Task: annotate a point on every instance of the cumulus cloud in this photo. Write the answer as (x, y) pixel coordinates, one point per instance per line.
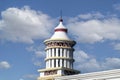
(117, 46)
(4, 65)
(95, 30)
(30, 76)
(38, 55)
(88, 63)
(116, 7)
(27, 25)
(24, 25)
(95, 15)
(111, 63)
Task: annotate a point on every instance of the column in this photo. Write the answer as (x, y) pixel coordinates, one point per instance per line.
(65, 63)
(64, 52)
(61, 52)
(60, 62)
(68, 53)
(53, 52)
(56, 52)
(52, 63)
(46, 54)
(68, 63)
(56, 62)
(49, 52)
(48, 63)
(71, 65)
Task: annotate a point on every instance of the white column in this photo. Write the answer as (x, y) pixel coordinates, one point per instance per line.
(68, 53)
(53, 52)
(56, 52)
(61, 52)
(46, 54)
(52, 63)
(49, 52)
(65, 63)
(48, 63)
(68, 64)
(64, 52)
(60, 62)
(56, 62)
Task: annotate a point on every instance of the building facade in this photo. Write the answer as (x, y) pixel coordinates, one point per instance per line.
(59, 55)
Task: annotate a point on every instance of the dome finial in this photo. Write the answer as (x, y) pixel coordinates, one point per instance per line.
(61, 20)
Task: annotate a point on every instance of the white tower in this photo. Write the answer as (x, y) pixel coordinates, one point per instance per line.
(59, 55)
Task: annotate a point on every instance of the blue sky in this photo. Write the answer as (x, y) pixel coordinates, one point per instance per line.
(25, 24)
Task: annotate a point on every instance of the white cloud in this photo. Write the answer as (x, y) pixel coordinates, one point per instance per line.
(24, 25)
(116, 7)
(4, 65)
(37, 51)
(95, 30)
(82, 56)
(38, 55)
(117, 46)
(95, 15)
(27, 25)
(30, 77)
(88, 63)
(111, 63)
(21, 79)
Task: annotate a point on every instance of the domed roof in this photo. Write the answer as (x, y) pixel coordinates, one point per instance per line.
(60, 26)
(60, 32)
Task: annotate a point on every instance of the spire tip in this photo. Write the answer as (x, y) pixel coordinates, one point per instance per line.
(61, 20)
